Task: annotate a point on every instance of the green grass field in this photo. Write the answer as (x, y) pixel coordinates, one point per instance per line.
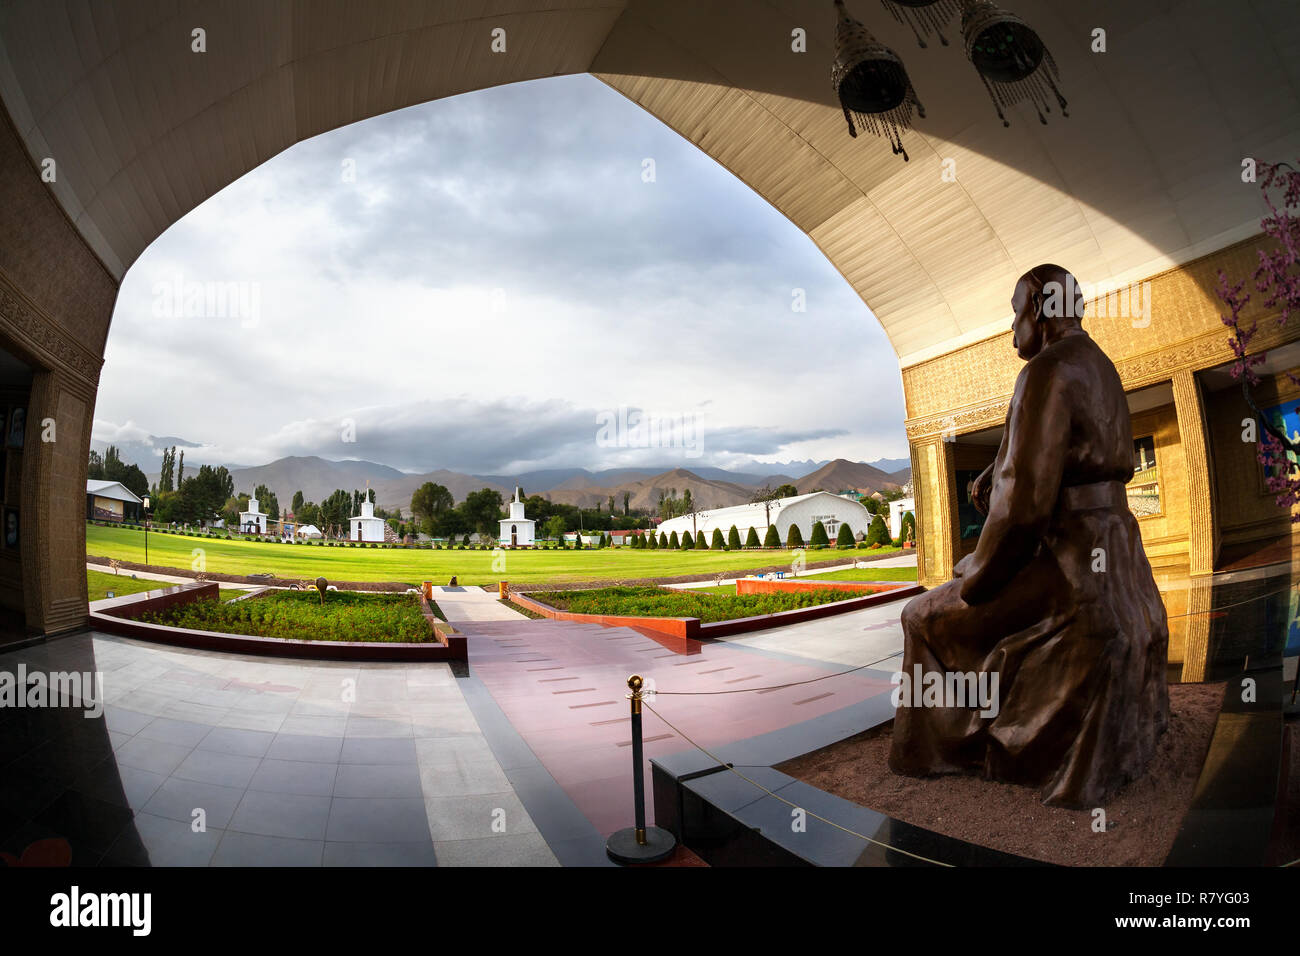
(413, 566)
(99, 583)
(852, 574)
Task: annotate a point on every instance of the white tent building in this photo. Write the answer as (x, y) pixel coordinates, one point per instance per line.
(518, 531)
(365, 526)
(804, 510)
(309, 531)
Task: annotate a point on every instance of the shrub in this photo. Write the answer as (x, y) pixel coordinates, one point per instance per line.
(772, 539)
(878, 533)
(818, 538)
(663, 541)
(717, 542)
(652, 541)
(700, 542)
(751, 539)
(688, 543)
(733, 539)
(845, 538)
(794, 537)
(672, 542)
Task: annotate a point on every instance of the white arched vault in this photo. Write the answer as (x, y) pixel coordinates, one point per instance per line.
(1143, 175)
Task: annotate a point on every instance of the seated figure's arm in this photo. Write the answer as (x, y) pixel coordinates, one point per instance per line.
(1027, 481)
(983, 486)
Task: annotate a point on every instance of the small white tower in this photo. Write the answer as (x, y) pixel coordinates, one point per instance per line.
(518, 531)
(365, 526)
(252, 520)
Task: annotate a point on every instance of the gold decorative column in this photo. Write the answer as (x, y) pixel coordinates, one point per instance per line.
(1203, 541)
(932, 487)
(1196, 625)
(53, 530)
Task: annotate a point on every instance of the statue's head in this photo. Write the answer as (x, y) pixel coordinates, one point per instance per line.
(1047, 302)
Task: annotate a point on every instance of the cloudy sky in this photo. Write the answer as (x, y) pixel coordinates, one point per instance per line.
(494, 283)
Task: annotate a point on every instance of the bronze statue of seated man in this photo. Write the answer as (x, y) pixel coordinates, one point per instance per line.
(1057, 600)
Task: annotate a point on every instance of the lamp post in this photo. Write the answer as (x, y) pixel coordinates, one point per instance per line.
(146, 504)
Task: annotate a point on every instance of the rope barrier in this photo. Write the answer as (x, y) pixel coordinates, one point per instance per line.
(1258, 597)
(815, 816)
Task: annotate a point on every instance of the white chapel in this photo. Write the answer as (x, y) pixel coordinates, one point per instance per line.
(518, 531)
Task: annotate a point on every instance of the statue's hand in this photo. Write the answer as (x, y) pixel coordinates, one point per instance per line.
(980, 491)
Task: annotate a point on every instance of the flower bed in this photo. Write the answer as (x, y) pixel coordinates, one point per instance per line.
(300, 615)
(707, 608)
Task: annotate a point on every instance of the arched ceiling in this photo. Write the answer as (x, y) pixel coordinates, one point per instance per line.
(1144, 174)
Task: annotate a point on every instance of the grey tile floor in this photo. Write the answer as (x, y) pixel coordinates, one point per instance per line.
(203, 758)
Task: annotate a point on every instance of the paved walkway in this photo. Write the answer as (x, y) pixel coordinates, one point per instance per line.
(563, 687)
(298, 763)
(168, 578)
(897, 561)
(472, 603)
(874, 634)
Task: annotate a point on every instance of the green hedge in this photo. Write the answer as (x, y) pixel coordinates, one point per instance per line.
(650, 601)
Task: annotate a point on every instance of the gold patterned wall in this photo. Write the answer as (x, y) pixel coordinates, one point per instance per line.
(969, 388)
(1179, 333)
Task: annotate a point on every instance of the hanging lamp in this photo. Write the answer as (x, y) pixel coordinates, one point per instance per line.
(1010, 58)
(871, 83)
(923, 16)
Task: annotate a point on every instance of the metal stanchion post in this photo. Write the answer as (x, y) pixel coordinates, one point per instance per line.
(639, 844)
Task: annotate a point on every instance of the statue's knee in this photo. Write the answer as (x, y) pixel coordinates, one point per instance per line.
(913, 615)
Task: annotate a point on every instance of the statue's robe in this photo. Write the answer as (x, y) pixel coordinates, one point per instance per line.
(1058, 598)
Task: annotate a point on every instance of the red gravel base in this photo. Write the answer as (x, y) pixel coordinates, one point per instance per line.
(1142, 818)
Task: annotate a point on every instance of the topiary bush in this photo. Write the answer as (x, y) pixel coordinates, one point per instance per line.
(733, 539)
(878, 533)
(688, 543)
(818, 538)
(663, 541)
(700, 542)
(772, 539)
(794, 537)
(845, 538)
(672, 542)
(751, 539)
(716, 543)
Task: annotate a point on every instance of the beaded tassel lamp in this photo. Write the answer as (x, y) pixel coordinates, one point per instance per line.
(871, 83)
(1010, 58)
(925, 17)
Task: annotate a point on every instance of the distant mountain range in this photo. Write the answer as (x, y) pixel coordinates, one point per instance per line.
(710, 487)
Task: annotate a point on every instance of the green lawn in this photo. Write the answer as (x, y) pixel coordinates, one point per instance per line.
(99, 583)
(868, 574)
(665, 602)
(412, 566)
(301, 615)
